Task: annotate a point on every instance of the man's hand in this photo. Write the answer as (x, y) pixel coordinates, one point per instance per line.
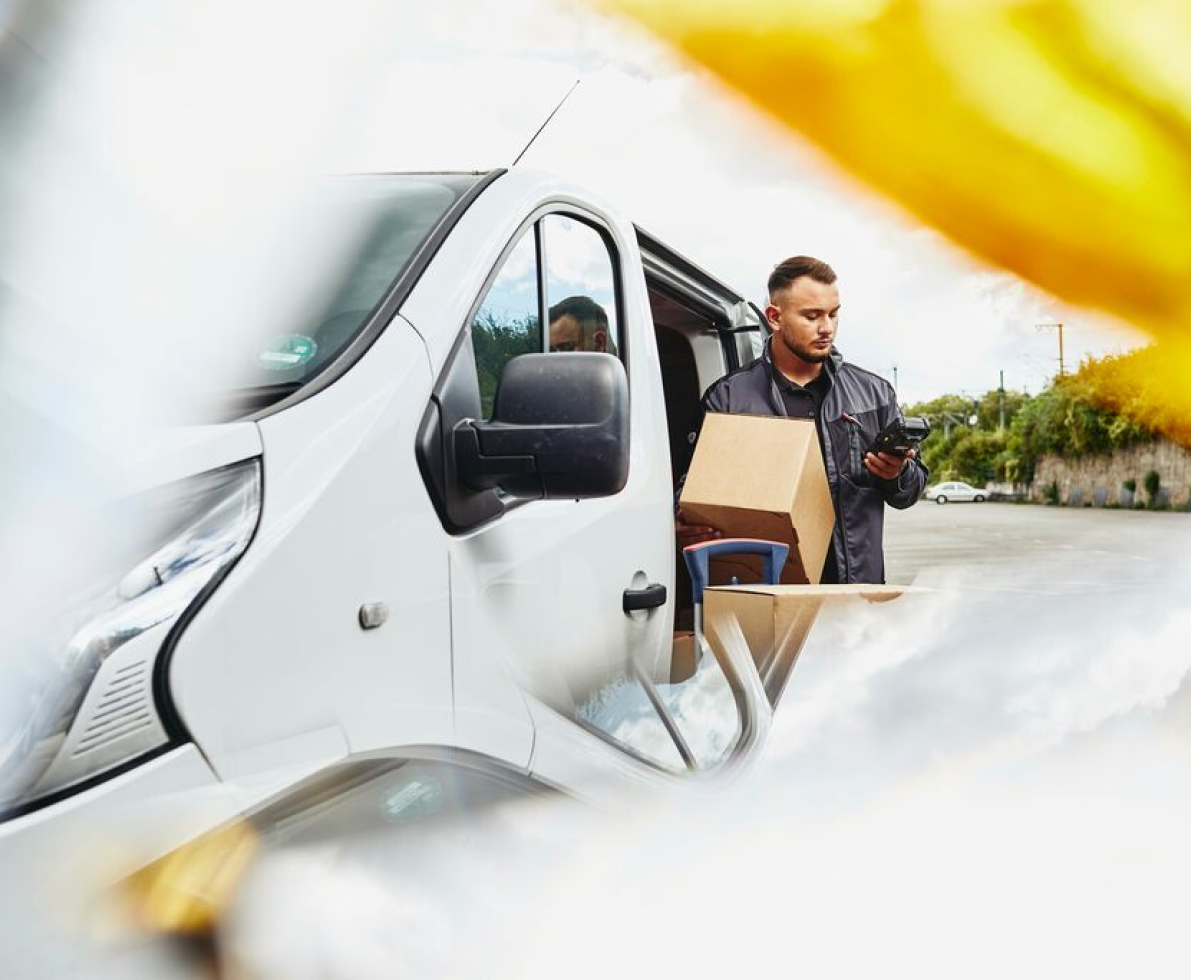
(687, 534)
(887, 466)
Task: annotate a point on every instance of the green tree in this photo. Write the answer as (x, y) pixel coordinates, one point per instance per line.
(497, 342)
(974, 456)
(1105, 405)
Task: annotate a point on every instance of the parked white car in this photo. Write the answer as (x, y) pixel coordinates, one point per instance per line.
(419, 534)
(942, 493)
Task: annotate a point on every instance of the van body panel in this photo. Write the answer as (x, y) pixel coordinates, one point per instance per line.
(278, 656)
(572, 758)
(166, 455)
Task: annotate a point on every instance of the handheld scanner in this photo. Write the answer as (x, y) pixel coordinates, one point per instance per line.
(900, 436)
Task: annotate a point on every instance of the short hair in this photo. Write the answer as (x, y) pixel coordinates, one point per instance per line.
(796, 267)
(590, 316)
(583, 308)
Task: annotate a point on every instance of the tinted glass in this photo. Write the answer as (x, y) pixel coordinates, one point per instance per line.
(622, 711)
(507, 322)
(704, 709)
(357, 236)
(580, 287)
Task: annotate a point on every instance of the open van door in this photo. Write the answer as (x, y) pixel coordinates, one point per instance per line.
(569, 600)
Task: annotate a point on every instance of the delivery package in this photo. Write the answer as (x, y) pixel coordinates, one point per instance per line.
(761, 476)
(772, 621)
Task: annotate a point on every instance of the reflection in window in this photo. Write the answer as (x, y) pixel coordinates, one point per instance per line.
(507, 323)
(361, 233)
(704, 711)
(622, 710)
(580, 287)
(579, 323)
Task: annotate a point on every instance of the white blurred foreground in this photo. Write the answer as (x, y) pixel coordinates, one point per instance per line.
(1001, 791)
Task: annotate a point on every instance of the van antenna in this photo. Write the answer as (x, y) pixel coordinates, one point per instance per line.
(547, 122)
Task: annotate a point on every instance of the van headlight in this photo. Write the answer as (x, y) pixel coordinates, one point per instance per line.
(86, 704)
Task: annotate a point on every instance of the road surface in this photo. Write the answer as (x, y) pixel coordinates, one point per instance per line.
(1053, 550)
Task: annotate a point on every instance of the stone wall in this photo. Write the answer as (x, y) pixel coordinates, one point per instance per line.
(1099, 479)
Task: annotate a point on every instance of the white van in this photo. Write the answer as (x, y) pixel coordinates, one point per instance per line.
(420, 534)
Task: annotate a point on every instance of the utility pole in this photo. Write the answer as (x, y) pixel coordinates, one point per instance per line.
(895, 379)
(950, 419)
(1059, 327)
(1001, 393)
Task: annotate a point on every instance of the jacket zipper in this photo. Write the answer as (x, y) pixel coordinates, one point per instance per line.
(855, 453)
(843, 570)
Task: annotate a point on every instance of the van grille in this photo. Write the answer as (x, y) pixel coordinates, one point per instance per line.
(124, 708)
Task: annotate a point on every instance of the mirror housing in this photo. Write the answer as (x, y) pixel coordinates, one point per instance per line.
(559, 429)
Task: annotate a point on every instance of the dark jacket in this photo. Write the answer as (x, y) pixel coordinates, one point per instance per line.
(856, 406)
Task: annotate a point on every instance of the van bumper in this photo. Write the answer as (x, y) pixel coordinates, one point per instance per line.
(60, 861)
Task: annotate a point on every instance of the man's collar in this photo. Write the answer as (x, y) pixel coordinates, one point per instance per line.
(830, 366)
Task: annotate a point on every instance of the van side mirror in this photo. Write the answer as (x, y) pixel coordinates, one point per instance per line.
(559, 428)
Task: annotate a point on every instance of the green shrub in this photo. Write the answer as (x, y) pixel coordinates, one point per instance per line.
(1107, 404)
(1152, 482)
(1050, 492)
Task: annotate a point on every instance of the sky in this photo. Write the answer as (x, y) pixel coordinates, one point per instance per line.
(694, 164)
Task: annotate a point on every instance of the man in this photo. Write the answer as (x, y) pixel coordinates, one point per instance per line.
(579, 323)
(800, 374)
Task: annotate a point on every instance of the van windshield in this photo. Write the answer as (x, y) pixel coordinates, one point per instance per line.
(354, 242)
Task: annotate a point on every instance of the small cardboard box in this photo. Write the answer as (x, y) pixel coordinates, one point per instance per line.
(756, 476)
(774, 620)
(684, 657)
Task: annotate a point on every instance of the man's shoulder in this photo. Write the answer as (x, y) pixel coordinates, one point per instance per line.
(741, 375)
(862, 376)
(750, 379)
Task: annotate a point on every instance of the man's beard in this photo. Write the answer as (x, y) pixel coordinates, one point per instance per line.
(808, 354)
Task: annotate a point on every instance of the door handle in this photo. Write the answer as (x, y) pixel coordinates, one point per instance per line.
(650, 597)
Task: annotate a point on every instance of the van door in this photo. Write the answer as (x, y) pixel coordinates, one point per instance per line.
(570, 602)
(539, 588)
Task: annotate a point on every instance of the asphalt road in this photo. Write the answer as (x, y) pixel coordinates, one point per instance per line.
(1004, 547)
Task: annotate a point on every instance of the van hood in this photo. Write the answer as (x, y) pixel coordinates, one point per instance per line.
(165, 455)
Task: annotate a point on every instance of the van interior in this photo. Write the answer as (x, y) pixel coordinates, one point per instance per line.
(699, 326)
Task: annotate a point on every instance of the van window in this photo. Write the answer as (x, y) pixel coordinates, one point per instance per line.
(507, 322)
(622, 712)
(359, 235)
(580, 287)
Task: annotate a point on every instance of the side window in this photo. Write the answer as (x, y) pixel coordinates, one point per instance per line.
(507, 322)
(580, 287)
(684, 716)
(623, 710)
(701, 703)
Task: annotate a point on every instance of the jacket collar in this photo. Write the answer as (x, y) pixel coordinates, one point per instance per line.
(832, 365)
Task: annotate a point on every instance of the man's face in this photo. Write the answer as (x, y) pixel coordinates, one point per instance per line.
(804, 317)
(567, 335)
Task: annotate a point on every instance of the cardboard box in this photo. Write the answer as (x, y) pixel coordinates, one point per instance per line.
(683, 658)
(774, 620)
(757, 476)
